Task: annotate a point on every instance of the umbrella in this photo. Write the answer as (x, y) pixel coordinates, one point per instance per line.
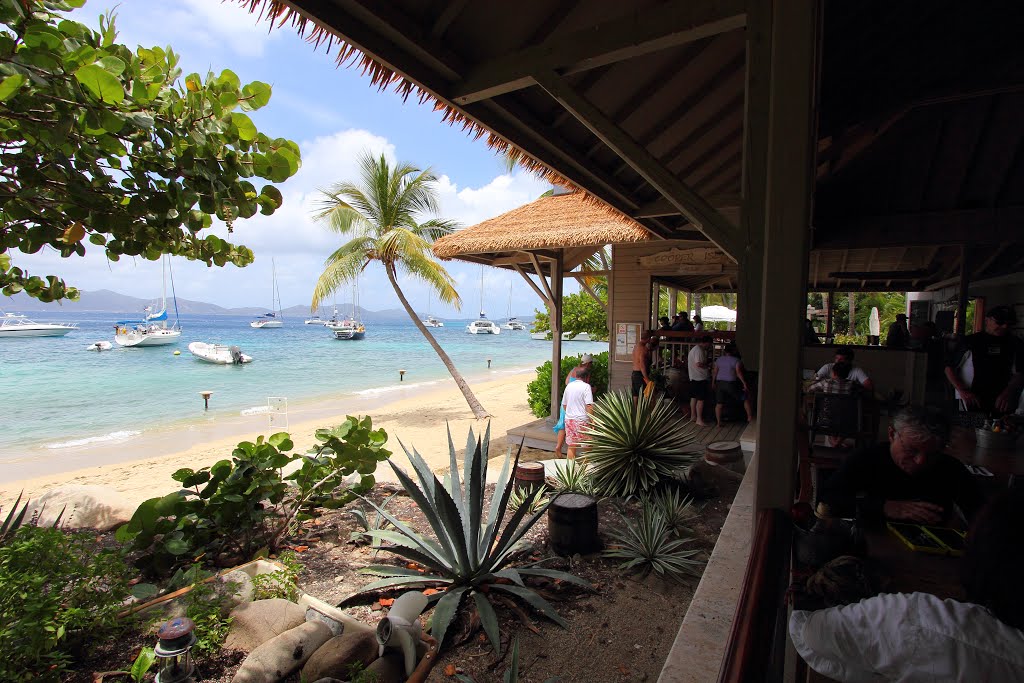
(714, 314)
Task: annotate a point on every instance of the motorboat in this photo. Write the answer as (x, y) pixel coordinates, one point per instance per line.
(219, 354)
(14, 325)
(315, 320)
(99, 346)
(513, 324)
(274, 319)
(431, 321)
(151, 330)
(483, 326)
(349, 330)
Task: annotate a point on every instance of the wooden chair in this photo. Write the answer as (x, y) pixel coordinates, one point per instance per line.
(841, 416)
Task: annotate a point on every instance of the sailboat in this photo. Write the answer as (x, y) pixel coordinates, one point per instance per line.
(482, 325)
(153, 329)
(350, 328)
(274, 319)
(430, 320)
(511, 323)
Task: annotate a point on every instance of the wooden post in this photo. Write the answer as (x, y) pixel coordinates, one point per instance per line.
(790, 179)
(853, 309)
(961, 303)
(829, 305)
(556, 334)
(673, 293)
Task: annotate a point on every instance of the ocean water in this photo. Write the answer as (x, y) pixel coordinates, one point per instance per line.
(60, 398)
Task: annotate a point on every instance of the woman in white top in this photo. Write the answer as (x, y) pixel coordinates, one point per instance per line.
(920, 637)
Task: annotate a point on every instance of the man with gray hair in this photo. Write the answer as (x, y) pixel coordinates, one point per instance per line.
(906, 478)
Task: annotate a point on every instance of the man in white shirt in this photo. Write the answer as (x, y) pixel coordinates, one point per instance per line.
(698, 366)
(845, 354)
(578, 402)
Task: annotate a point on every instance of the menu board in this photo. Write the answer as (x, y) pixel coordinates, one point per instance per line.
(626, 337)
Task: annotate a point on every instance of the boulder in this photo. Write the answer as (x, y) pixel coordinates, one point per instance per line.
(340, 655)
(283, 655)
(254, 623)
(388, 669)
(236, 585)
(84, 507)
(337, 628)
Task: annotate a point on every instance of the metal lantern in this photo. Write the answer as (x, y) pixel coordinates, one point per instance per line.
(174, 660)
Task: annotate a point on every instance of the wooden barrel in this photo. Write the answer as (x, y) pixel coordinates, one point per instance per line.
(723, 452)
(529, 475)
(572, 525)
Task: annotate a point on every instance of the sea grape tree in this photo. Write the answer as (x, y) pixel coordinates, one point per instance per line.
(108, 146)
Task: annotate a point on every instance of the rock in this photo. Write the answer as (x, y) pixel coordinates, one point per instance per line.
(282, 655)
(254, 623)
(340, 655)
(84, 507)
(388, 669)
(242, 590)
(337, 628)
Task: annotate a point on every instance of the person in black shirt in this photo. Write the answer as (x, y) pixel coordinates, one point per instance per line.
(682, 322)
(998, 361)
(908, 478)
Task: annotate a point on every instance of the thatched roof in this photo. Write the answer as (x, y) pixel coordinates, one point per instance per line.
(553, 222)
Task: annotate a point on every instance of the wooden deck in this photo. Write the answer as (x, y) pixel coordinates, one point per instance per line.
(538, 434)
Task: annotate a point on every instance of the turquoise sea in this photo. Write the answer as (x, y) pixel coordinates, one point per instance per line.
(61, 399)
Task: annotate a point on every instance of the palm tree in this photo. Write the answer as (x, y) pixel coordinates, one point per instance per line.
(380, 213)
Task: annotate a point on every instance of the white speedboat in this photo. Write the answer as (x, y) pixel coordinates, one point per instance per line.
(153, 329)
(513, 324)
(13, 325)
(274, 319)
(482, 326)
(431, 321)
(315, 320)
(99, 346)
(220, 354)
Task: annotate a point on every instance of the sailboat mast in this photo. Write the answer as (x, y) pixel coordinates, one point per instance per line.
(482, 291)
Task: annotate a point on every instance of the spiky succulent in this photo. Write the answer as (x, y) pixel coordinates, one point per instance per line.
(571, 477)
(631, 448)
(648, 544)
(677, 509)
(469, 551)
(533, 500)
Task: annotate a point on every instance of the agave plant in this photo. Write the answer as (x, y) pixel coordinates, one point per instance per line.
(15, 519)
(677, 509)
(572, 477)
(533, 500)
(471, 547)
(631, 448)
(369, 523)
(648, 545)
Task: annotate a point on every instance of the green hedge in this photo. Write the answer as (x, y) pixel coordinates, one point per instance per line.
(539, 390)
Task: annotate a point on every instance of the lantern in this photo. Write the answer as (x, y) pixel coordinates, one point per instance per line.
(174, 661)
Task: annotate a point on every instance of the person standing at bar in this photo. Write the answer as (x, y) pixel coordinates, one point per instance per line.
(987, 369)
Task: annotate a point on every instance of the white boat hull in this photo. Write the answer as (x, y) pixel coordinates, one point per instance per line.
(139, 338)
(36, 331)
(218, 354)
(478, 327)
(99, 346)
(266, 324)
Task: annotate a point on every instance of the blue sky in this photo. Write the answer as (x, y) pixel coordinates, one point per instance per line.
(333, 114)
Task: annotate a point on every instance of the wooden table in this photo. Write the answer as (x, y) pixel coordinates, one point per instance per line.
(1000, 462)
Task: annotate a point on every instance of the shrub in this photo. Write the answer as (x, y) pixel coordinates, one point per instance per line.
(282, 583)
(227, 513)
(648, 545)
(58, 591)
(539, 390)
(470, 552)
(631, 448)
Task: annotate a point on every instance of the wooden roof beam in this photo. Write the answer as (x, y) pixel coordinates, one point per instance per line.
(689, 203)
(638, 33)
(446, 17)
(984, 226)
(663, 207)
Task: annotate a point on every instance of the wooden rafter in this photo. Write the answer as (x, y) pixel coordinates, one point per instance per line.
(690, 204)
(593, 295)
(529, 281)
(987, 263)
(540, 275)
(446, 17)
(636, 34)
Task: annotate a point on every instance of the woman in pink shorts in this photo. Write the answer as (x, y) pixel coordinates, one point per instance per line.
(578, 403)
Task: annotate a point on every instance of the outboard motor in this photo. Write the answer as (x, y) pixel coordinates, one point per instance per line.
(236, 355)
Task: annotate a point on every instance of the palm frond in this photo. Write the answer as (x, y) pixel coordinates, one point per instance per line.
(343, 266)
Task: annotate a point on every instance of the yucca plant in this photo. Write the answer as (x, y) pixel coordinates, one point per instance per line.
(631, 448)
(368, 522)
(572, 477)
(533, 500)
(677, 509)
(648, 545)
(470, 548)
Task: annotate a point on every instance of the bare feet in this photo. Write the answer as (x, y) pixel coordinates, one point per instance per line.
(701, 424)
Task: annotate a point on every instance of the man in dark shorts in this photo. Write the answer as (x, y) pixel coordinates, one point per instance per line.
(698, 365)
(997, 361)
(641, 362)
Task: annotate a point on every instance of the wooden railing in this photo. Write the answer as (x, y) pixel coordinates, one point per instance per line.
(676, 345)
(756, 646)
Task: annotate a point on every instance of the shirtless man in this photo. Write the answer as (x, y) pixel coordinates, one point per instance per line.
(642, 361)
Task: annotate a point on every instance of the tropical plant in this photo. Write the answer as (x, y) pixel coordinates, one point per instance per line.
(282, 583)
(581, 312)
(538, 392)
(382, 214)
(631, 447)
(104, 145)
(210, 611)
(532, 500)
(571, 477)
(648, 544)
(470, 551)
(676, 507)
(15, 519)
(369, 523)
(59, 591)
(228, 512)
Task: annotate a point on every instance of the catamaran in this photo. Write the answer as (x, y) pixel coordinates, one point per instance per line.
(151, 330)
(511, 322)
(13, 325)
(273, 319)
(482, 325)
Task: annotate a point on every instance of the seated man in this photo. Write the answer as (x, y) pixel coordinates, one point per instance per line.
(907, 478)
(920, 637)
(838, 383)
(845, 354)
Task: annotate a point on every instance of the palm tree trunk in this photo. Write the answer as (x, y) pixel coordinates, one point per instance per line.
(474, 405)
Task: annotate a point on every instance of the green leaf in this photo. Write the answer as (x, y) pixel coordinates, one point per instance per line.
(144, 591)
(10, 85)
(446, 608)
(246, 128)
(100, 83)
(534, 600)
(41, 35)
(256, 95)
(143, 663)
(176, 546)
(488, 619)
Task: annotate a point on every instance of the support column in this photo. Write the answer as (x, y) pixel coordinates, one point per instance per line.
(791, 133)
(829, 306)
(556, 334)
(673, 294)
(961, 298)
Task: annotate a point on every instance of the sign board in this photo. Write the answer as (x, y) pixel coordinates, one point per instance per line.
(626, 337)
(684, 257)
(277, 412)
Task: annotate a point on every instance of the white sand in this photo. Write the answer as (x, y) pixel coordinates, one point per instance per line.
(418, 420)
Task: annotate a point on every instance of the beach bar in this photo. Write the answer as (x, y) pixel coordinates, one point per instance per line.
(810, 145)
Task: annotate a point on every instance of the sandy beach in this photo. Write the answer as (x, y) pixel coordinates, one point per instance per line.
(417, 419)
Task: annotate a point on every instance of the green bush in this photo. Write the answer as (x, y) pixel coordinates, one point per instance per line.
(230, 512)
(850, 339)
(59, 591)
(539, 390)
